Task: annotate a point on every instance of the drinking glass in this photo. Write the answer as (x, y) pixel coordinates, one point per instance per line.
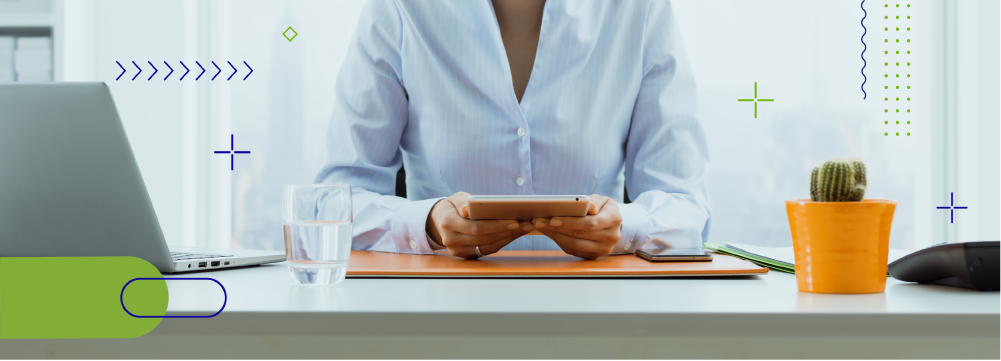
(317, 222)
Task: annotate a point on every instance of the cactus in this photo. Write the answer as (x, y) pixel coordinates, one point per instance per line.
(838, 181)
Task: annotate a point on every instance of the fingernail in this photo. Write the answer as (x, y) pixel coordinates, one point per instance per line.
(527, 227)
(512, 226)
(539, 224)
(556, 222)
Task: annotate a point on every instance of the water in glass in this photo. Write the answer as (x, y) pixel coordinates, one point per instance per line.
(318, 251)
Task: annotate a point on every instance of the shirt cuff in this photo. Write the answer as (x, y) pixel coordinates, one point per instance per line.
(409, 224)
(634, 230)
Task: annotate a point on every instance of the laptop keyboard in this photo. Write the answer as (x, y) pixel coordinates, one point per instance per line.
(181, 256)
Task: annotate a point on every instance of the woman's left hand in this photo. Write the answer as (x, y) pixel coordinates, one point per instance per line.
(587, 237)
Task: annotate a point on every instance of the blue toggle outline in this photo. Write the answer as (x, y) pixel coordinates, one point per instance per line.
(121, 296)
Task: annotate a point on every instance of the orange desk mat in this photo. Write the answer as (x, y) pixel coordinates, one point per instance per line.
(527, 264)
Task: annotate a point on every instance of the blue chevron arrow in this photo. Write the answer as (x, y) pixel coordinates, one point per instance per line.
(234, 71)
(168, 74)
(137, 74)
(251, 71)
(217, 70)
(154, 70)
(185, 70)
(199, 74)
(123, 70)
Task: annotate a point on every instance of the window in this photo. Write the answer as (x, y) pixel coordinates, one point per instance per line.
(806, 56)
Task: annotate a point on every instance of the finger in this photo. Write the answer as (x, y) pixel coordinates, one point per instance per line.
(527, 226)
(586, 223)
(597, 201)
(608, 217)
(600, 201)
(443, 212)
(495, 247)
(582, 248)
(453, 239)
(593, 208)
(454, 223)
(469, 252)
(464, 211)
(459, 239)
(459, 200)
(607, 235)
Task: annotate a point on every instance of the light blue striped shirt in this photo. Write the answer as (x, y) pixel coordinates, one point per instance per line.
(611, 101)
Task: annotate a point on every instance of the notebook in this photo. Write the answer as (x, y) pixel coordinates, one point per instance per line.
(780, 259)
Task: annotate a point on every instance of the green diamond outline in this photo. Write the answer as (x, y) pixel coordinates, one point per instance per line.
(294, 34)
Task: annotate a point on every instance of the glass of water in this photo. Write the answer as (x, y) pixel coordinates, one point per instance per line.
(317, 222)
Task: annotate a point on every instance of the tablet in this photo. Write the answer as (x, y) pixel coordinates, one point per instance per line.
(525, 208)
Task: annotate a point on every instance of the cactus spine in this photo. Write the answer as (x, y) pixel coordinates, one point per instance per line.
(838, 181)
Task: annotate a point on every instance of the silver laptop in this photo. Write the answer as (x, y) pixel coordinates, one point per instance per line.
(70, 185)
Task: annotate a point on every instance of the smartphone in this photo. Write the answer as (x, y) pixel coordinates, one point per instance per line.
(525, 208)
(674, 255)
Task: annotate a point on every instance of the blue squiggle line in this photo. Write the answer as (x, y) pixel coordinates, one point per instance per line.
(863, 47)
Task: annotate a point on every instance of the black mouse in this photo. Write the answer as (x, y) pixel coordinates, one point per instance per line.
(970, 264)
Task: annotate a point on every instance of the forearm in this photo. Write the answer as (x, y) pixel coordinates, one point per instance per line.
(675, 220)
(389, 223)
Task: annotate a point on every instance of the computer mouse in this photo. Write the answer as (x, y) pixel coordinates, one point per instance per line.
(970, 264)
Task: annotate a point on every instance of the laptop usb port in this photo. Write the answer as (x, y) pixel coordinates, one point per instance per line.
(201, 264)
(227, 263)
(215, 263)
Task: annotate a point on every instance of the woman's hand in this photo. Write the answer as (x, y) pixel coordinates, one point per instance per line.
(587, 237)
(448, 226)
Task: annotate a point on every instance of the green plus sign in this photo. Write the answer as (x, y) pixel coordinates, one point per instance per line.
(755, 100)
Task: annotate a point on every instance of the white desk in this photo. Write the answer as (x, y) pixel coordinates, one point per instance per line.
(737, 317)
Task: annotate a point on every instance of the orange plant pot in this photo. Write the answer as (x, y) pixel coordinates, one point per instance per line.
(841, 247)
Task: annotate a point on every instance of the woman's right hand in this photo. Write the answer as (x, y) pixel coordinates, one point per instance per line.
(448, 226)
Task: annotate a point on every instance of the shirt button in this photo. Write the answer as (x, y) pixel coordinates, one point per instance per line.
(413, 244)
(521, 132)
(519, 180)
(629, 244)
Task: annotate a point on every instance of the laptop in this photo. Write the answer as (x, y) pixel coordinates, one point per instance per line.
(70, 185)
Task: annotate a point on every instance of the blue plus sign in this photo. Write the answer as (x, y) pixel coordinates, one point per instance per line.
(951, 207)
(231, 152)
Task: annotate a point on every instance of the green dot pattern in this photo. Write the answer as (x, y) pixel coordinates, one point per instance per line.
(900, 57)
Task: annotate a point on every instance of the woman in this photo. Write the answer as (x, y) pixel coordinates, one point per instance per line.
(519, 97)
